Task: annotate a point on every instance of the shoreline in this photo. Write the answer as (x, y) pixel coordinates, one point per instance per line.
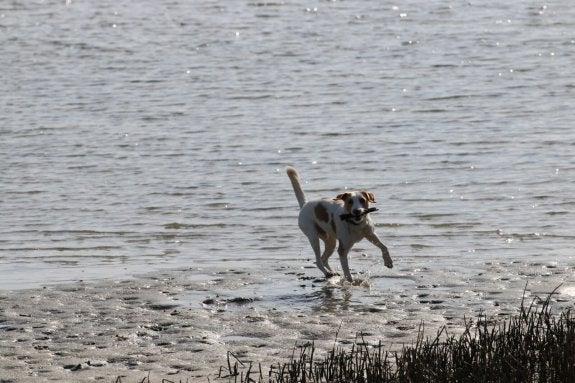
(180, 324)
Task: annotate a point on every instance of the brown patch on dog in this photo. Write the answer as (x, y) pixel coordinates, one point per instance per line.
(369, 196)
(345, 197)
(320, 213)
(364, 203)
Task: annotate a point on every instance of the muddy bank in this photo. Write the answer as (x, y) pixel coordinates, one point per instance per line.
(181, 324)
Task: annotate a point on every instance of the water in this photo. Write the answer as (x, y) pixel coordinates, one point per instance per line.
(139, 137)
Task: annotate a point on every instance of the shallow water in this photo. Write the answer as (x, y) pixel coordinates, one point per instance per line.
(148, 137)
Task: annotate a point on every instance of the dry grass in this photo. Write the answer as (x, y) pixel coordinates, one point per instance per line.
(534, 346)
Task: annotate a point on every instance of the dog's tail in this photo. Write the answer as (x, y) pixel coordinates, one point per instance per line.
(294, 178)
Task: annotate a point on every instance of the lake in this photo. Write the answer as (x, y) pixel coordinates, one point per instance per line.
(143, 136)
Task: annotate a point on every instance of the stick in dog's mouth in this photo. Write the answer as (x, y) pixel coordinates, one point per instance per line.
(345, 217)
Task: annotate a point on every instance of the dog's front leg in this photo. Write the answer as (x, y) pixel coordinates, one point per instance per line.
(343, 251)
(373, 238)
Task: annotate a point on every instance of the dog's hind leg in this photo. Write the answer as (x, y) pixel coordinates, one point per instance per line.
(314, 242)
(330, 244)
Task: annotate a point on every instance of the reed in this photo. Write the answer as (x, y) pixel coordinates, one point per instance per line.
(532, 346)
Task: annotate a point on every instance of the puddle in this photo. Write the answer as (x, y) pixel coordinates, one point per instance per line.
(295, 292)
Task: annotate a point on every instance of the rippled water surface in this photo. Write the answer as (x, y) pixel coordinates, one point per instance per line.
(136, 136)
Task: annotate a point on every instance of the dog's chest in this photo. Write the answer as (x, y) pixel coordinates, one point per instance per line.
(355, 231)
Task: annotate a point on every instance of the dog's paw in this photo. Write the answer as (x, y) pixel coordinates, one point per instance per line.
(388, 263)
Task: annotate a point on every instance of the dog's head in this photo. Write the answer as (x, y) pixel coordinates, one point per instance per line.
(356, 203)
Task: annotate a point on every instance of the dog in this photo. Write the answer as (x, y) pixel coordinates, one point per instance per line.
(344, 219)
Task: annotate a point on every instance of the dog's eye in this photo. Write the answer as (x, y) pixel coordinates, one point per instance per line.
(350, 202)
(361, 201)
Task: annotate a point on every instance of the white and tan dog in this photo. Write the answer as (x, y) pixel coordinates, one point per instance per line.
(345, 219)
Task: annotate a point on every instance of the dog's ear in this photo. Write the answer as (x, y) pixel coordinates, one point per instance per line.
(369, 196)
(343, 196)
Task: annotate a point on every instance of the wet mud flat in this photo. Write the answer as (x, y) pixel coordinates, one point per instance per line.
(181, 324)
